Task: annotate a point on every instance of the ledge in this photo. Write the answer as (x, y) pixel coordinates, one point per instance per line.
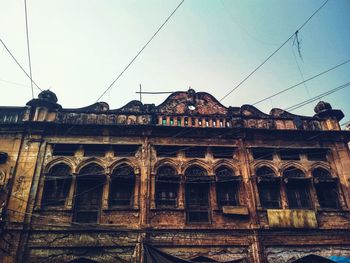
(167, 209)
(129, 209)
(53, 209)
(335, 210)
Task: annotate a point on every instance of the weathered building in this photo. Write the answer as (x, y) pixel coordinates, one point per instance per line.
(189, 178)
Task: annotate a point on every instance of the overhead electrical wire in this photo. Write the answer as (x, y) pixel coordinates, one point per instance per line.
(147, 43)
(13, 57)
(305, 102)
(273, 53)
(296, 85)
(28, 48)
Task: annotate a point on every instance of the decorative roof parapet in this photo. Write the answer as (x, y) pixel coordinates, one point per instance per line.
(182, 108)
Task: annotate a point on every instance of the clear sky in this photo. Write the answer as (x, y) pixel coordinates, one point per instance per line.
(79, 47)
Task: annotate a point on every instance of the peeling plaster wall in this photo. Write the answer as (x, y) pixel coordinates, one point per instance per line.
(291, 253)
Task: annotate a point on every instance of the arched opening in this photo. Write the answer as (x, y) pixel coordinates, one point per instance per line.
(197, 194)
(268, 188)
(88, 197)
(167, 187)
(227, 185)
(56, 186)
(122, 186)
(326, 188)
(297, 188)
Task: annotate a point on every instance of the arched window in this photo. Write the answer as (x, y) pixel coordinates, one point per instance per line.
(326, 188)
(293, 172)
(197, 194)
(268, 187)
(196, 171)
(122, 186)
(265, 172)
(88, 197)
(167, 186)
(56, 186)
(226, 187)
(297, 187)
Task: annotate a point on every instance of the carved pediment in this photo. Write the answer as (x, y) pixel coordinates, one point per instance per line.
(251, 111)
(191, 103)
(96, 107)
(133, 106)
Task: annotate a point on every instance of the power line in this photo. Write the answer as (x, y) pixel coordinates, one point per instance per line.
(13, 57)
(345, 123)
(13, 83)
(311, 78)
(28, 49)
(154, 92)
(273, 53)
(152, 37)
(305, 102)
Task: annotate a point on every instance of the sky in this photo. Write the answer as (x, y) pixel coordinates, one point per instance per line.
(79, 47)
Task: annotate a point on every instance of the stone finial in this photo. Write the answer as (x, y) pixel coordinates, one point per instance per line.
(322, 106)
(48, 95)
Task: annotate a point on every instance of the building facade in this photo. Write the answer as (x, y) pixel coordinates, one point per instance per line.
(189, 180)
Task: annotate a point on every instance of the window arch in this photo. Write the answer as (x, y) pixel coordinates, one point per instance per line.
(293, 172)
(166, 171)
(167, 186)
(321, 173)
(197, 194)
(88, 197)
(56, 186)
(326, 188)
(224, 171)
(227, 187)
(297, 188)
(122, 186)
(265, 172)
(268, 187)
(91, 169)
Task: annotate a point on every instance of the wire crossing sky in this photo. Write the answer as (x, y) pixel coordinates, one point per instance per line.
(77, 47)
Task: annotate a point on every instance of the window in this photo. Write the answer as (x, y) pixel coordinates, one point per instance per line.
(125, 149)
(326, 189)
(197, 195)
(167, 186)
(317, 154)
(197, 203)
(122, 186)
(263, 153)
(222, 152)
(268, 187)
(195, 152)
(297, 190)
(64, 149)
(56, 186)
(290, 154)
(226, 187)
(95, 150)
(89, 194)
(167, 151)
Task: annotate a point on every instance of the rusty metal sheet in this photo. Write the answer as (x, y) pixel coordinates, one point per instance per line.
(290, 218)
(235, 210)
